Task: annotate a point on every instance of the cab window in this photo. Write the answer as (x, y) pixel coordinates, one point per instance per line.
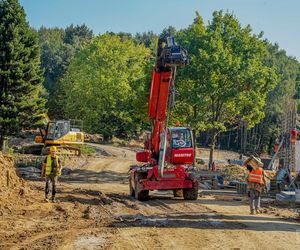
(181, 139)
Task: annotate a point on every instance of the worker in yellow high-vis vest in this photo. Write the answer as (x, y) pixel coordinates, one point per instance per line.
(51, 170)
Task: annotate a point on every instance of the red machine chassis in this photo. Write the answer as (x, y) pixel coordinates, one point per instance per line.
(175, 175)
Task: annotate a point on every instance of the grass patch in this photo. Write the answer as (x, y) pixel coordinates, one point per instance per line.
(86, 149)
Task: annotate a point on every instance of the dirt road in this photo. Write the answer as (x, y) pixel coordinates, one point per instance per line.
(95, 212)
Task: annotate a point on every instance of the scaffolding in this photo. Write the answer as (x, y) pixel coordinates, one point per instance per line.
(286, 152)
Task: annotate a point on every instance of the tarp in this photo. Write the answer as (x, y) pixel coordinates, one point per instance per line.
(297, 152)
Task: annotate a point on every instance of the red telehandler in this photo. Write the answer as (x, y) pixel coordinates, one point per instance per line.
(168, 151)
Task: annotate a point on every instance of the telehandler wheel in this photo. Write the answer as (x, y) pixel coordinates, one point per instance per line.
(178, 192)
(131, 190)
(141, 195)
(191, 193)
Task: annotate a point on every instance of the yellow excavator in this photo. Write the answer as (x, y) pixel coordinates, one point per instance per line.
(61, 134)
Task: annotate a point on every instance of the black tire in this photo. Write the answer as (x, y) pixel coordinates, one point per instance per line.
(141, 195)
(191, 193)
(178, 192)
(131, 190)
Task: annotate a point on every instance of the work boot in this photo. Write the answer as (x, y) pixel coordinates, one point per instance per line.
(46, 199)
(53, 199)
(252, 212)
(258, 211)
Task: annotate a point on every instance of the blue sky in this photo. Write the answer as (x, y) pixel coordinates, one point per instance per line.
(279, 19)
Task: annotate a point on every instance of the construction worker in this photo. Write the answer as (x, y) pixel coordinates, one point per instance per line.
(51, 170)
(282, 177)
(256, 183)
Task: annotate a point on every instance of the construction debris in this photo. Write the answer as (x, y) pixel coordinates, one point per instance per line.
(286, 196)
(234, 173)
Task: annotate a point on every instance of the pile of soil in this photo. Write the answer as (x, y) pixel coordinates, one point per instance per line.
(96, 138)
(218, 154)
(234, 173)
(13, 189)
(240, 173)
(8, 176)
(132, 143)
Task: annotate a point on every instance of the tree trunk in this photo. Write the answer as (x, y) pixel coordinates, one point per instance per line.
(212, 147)
(206, 139)
(229, 138)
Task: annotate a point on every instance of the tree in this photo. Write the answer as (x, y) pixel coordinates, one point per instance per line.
(287, 69)
(146, 38)
(104, 83)
(77, 35)
(58, 47)
(20, 73)
(262, 137)
(170, 31)
(226, 82)
(54, 59)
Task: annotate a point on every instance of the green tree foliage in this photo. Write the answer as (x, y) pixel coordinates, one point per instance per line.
(58, 47)
(104, 85)
(20, 73)
(77, 35)
(287, 69)
(261, 138)
(54, 58)
(147, 38)
(170, 31)
(226, 81)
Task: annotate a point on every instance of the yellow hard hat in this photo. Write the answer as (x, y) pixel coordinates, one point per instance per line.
(52, 149)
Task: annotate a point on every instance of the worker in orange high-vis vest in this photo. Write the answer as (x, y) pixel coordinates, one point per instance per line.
(256, 183)
(51, 170)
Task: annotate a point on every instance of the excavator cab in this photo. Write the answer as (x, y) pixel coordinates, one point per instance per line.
(180, 138)
(57, 129)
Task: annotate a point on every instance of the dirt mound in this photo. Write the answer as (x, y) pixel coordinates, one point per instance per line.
(96, 138)
(13, 189)
(132, 143)
(240, 173)
(234, 173)
(8, 176)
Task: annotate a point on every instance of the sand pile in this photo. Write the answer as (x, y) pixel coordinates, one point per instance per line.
(13, 189)
(234, 173)
(240, 173)
(8, 176)
(96, 138)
